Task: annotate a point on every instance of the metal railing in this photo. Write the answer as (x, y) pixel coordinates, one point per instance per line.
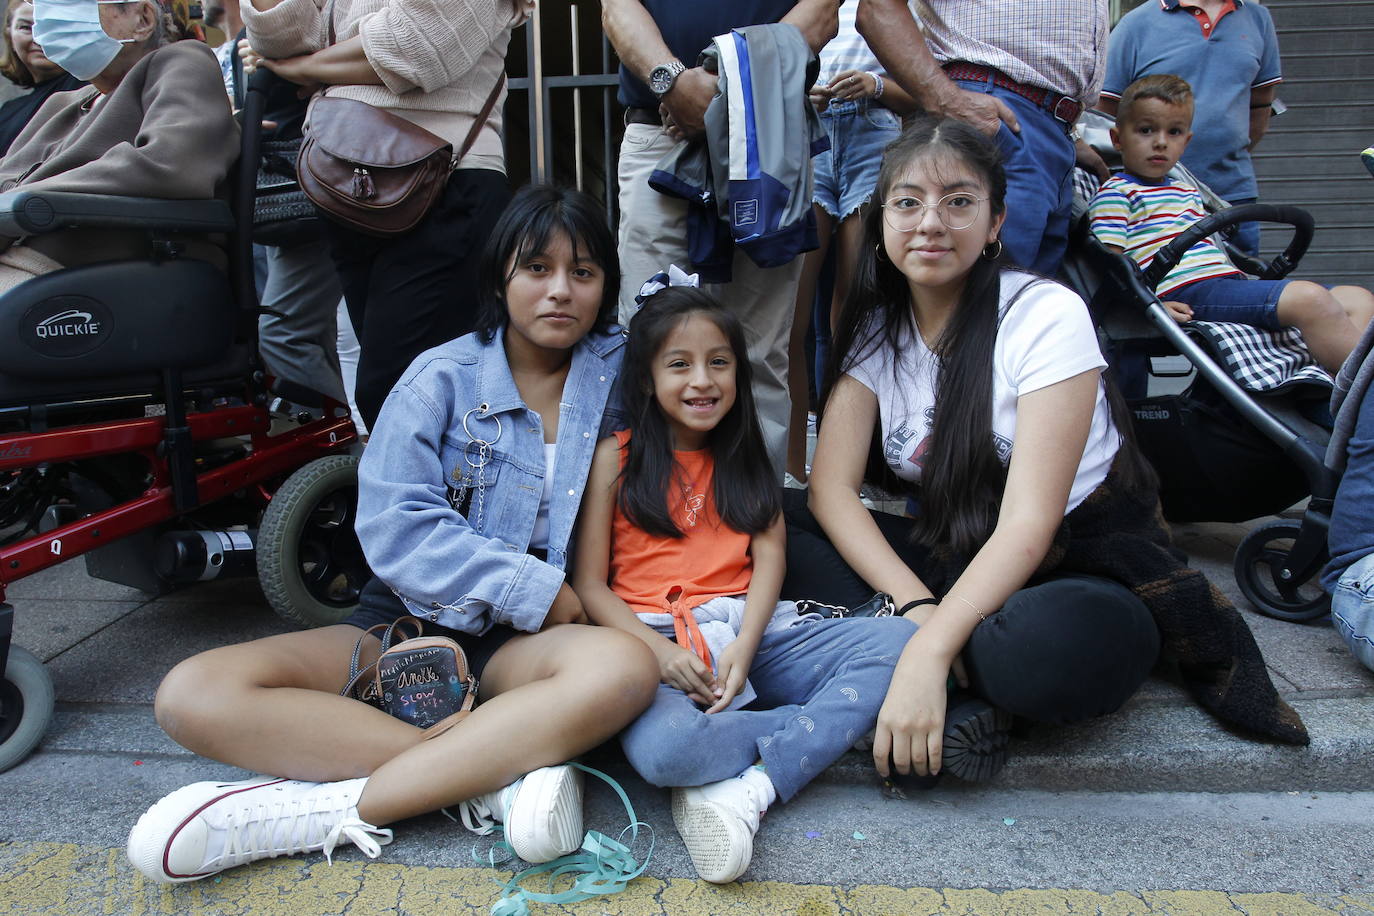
(560, 141)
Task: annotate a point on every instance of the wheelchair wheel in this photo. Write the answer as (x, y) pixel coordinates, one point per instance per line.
(310, 564)
(26, 702)
(1259, 560)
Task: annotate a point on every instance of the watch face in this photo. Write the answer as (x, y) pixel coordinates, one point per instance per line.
(660, 80)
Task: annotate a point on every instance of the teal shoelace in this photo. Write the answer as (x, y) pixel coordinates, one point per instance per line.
(603, 866)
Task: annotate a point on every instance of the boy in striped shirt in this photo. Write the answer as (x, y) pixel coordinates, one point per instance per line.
(1140, 210)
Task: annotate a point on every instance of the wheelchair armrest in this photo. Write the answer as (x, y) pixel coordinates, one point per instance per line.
(35, 212)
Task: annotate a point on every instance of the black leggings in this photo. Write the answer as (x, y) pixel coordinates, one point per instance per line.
(1061, 649)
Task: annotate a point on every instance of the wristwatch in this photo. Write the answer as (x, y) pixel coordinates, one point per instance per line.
(662, 77)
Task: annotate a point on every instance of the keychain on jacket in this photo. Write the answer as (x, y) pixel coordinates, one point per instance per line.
(476, 454)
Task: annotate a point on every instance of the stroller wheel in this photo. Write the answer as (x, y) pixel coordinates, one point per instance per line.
(26, 703)
(310, 564)
(1264, 577)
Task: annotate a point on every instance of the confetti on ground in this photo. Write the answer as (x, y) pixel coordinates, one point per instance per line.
(859, 836)
(1009, 821)
(813, 834)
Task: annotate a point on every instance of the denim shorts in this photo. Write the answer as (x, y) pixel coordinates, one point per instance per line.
(378, 604)
(1234, 299)
(847, 173)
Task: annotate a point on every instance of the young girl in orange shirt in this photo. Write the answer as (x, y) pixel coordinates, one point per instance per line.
(681, 544)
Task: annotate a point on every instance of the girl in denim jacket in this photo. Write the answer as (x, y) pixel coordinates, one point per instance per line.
(468, 490)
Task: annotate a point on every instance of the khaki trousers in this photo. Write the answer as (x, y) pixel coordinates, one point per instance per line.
(653, 235)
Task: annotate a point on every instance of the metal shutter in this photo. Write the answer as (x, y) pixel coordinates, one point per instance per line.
(1310, 156)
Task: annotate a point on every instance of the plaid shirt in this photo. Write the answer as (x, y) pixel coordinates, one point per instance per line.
(1054, 44)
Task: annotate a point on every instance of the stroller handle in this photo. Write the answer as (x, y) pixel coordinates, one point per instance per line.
(1168, 257)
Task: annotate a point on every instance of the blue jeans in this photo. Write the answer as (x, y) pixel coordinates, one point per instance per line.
(847, 172)
(820, 685)
(1352, 609)
(1039, 166)
(1237, 299)
(1247, 235)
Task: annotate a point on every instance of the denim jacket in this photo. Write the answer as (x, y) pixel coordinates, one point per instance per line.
(445, 520)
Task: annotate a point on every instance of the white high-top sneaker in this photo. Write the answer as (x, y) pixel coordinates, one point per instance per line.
(717, 823)
(207, 827)
(541, 811)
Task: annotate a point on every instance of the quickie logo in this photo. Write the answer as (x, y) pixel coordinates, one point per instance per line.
(71, 323)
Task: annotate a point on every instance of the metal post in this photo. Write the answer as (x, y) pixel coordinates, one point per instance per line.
(577, 99)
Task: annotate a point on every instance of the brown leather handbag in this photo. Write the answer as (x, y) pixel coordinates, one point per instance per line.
(374, 171)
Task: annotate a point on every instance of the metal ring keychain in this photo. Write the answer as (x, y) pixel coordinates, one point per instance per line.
(476, 461)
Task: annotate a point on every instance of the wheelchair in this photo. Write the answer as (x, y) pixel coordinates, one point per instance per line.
(138, 429)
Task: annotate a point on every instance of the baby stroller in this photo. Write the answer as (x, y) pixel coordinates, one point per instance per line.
(135, 428)
(1223, 452)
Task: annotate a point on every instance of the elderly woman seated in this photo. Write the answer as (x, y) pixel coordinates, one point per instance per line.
(153, 123)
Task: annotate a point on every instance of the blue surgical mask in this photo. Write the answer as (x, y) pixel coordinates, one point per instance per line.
(72, 37)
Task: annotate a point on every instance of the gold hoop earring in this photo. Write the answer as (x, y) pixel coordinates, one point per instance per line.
(878, 251)
(996, 254)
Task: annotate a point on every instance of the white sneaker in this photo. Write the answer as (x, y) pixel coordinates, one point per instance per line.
(207, 827)
(717, 823)
(541, 811)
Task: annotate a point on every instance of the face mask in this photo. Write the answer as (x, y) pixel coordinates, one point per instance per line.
(71, 36)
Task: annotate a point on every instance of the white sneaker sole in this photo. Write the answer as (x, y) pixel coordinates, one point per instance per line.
(150, 842)
(544, 820)
(719, 843)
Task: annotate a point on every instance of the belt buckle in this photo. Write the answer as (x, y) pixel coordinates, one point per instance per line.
(1067, 110)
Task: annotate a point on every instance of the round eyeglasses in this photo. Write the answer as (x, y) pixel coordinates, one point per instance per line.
(957, 210)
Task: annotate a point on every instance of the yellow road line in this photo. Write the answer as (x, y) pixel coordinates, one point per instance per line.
(38, 879)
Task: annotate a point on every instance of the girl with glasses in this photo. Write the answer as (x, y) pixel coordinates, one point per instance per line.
(1034, 566)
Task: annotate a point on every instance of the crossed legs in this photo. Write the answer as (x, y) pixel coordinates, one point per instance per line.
(272, 706)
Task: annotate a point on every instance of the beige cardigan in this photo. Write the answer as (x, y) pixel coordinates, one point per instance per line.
(438, 59)
(164, 131)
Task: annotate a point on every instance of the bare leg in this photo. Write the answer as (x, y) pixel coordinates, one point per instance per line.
(1358, 303)
(271, 706)
(849, 238)
(796, 348)
(1322, 319)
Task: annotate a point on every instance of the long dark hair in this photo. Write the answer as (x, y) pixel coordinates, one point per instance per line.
(533, 218)
(962, 479)
(745, 490)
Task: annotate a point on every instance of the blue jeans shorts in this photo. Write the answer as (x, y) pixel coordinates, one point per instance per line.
(1234, 299)
(847, 172)
(1352, 609)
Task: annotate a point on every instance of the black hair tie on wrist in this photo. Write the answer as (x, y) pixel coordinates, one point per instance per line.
(917, 603)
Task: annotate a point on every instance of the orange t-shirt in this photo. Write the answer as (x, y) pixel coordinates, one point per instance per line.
(661, 575)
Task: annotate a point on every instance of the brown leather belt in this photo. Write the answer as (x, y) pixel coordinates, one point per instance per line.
(1060, 106)
(643, 116)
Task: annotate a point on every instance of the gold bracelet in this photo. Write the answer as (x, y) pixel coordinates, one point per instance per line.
(981, 615)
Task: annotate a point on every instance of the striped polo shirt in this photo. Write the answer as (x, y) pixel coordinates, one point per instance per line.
(1142, 218)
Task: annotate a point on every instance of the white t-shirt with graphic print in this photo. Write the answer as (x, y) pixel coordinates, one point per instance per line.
(1045, 336)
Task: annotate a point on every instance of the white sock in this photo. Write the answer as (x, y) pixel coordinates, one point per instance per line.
(757, 777)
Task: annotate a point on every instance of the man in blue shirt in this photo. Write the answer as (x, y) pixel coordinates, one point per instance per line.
(1228, 52)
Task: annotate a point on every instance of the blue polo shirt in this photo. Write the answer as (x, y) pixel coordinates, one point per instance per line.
(1241, 53)
(687, 27)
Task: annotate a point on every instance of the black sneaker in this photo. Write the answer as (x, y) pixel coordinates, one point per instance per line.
(976, 736)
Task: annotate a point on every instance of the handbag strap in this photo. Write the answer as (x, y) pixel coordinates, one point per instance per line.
(388, 631)
(482, 116)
